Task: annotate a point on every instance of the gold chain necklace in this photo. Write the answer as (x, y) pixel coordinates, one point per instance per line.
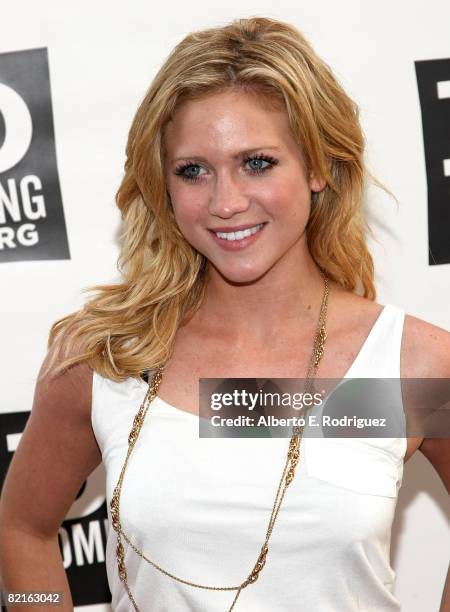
(293, 456)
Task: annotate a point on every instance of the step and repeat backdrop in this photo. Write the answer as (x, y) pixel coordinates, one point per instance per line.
(71, 77)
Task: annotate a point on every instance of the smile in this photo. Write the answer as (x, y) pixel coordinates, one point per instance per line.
(240, 235)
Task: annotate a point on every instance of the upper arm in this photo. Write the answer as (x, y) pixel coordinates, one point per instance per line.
(437, 451)
(56, 453)
(426, 354)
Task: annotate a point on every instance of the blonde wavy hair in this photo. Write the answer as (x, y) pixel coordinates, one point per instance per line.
(128, 327)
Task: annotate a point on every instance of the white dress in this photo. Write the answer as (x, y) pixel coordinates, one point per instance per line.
(199, 507)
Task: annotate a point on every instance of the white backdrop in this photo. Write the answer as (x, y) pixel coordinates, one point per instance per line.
(102, 56)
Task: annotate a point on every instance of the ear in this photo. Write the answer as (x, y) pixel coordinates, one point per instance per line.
(316, 183)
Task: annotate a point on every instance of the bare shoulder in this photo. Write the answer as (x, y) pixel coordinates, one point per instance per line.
(426, 354)
(67, 390)
(66, 398)
(425, 349)
(352, 310)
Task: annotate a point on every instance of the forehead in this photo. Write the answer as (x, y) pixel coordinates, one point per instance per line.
(227, 119)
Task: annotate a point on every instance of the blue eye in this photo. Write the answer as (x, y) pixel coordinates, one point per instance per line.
(188, 172)
(256, 164)
(260, 163)
(192, 171)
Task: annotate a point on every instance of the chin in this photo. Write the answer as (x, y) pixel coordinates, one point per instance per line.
(238, 275)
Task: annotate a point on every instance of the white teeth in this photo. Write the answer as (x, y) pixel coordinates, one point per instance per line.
(241, 234)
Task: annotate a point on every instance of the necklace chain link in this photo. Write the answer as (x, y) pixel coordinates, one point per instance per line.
(293, 457)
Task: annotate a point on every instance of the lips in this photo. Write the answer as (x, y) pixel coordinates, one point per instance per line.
(235, 228)
(241, 243)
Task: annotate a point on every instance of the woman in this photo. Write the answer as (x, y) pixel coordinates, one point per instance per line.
(243, 250)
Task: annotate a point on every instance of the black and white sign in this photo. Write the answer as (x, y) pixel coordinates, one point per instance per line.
(433, 79)
(32, 225)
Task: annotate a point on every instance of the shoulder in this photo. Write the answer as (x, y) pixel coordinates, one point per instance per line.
(425, 349)
(426, 354)
(62, 406)
(351, 310)
(67, 391)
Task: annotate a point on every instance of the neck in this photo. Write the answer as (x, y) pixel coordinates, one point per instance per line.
(283, 299)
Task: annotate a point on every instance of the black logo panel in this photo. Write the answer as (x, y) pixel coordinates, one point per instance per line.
(433, 79)
(32, 224)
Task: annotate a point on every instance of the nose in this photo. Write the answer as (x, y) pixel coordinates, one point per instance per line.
(228, 197)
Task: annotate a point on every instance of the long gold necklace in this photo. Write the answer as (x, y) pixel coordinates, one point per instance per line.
(287, 476)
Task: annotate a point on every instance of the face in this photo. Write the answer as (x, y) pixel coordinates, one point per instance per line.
(238, 185)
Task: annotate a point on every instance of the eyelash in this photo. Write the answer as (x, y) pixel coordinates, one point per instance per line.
(193, 179)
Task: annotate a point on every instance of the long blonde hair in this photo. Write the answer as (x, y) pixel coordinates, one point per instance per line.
(130, 326)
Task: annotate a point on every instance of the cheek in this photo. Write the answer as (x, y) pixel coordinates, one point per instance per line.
(287, 198)
(187, 203)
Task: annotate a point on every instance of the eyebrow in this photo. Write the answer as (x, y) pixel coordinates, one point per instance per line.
(238, 155)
